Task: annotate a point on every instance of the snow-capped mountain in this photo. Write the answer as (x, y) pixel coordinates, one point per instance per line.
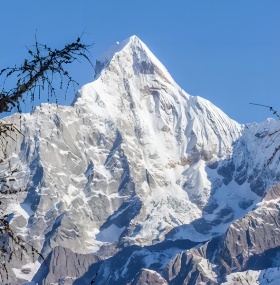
(137, 182)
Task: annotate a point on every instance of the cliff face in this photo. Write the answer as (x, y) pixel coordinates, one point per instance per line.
(140, 183)
(250, 245)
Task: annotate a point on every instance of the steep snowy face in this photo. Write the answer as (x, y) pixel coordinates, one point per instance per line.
(164, 137)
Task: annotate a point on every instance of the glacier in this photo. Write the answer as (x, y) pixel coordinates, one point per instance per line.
(138, 182)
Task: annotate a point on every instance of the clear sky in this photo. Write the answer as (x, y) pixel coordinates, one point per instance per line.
(225, 51)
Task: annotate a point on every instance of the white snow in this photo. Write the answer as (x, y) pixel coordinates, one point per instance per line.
(27, 271)
(262, 277)
(110, 234)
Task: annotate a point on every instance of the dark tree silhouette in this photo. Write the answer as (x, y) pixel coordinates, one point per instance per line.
(31, 79)
(37, 74)
(277, 148)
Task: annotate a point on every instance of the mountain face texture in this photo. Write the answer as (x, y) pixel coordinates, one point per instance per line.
(138, 182)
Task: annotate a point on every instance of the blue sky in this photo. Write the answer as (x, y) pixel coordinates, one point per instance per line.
(225, 51)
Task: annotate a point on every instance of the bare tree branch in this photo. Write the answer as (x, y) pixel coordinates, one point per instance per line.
(38, 73)
(35, 75)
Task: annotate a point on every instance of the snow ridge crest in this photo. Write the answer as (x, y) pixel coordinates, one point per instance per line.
(134, 50)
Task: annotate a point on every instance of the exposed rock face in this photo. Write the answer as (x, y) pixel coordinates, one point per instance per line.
(140, 183)
(64, 265)
(251, 243)
(191, 267)
(148, 277)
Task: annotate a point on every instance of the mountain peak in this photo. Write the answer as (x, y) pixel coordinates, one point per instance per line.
(105, 58)
(137, 53)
